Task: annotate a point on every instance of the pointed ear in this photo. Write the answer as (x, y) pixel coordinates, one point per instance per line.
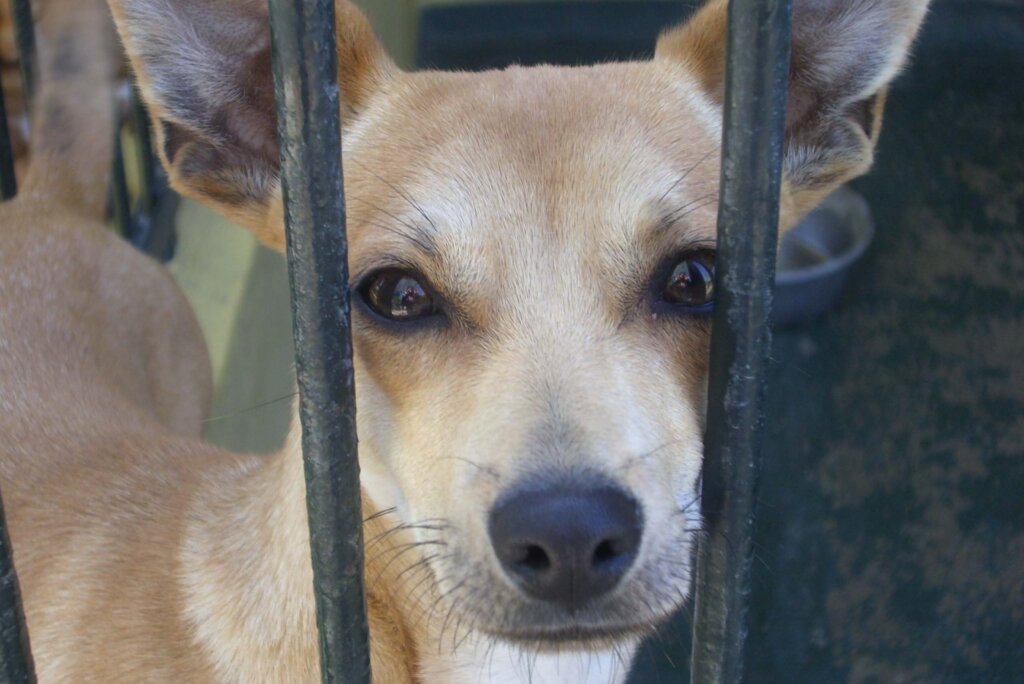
(844, 54)
(204, 69)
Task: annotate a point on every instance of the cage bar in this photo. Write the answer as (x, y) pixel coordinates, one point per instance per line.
(120, 200)
(755, 114)
(8, 183)
(25, 38)
(146, 220)
(16, 665)
(309, 134)
(147, 161)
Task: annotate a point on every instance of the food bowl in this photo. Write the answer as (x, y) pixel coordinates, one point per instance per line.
(815, 256)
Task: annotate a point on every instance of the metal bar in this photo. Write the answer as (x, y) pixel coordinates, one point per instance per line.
(119, 192)
(8, 182)
(155, 228)
(147, 162)
(25, 37)
(755, 113)
(306, 88)
(157, 204)
(16, 665)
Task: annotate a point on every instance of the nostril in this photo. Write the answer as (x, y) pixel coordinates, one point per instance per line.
(533, 558)
(605, 553)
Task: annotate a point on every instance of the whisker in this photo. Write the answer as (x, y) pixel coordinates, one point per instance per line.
(484, 469)
(415, 205)
(692, 206)
(235, 414)
(643, 457)
(417, 238)
(380, 514)
(422, 244)
(401, 551)
(687, 173)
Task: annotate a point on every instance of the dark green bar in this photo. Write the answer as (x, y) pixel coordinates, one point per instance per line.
(309, 133)
(25, 37)
(15, 656)
(119, 192)
(8, 183)
(141, 131)
(148, 220)
(755, 115)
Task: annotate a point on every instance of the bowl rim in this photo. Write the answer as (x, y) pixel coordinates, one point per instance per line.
(854, 211)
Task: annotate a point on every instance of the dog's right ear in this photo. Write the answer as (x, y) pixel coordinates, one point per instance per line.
(204, 69)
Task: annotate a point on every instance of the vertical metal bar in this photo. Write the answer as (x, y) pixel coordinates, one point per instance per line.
(755, 114)
(119, 192)
(25, 37)
(306, 88)
(8, 183)
(15, 656)
(147, 162)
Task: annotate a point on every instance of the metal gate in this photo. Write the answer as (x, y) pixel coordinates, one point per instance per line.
(306, 87)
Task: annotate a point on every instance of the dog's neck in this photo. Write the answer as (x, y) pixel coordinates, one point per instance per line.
(254, 516)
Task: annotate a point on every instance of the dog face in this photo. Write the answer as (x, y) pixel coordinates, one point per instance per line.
(531, 331)
(532, 259)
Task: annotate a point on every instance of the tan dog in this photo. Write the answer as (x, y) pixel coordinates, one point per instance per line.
(531, 252)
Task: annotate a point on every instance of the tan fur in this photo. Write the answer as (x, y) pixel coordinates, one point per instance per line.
(539, 202)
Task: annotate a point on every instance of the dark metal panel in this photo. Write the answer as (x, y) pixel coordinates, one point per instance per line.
(306, 87)
(8, 184)
(15, 657)
(25, 36)
(755, 112)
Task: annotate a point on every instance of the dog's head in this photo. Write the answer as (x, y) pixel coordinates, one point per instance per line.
(532, 254)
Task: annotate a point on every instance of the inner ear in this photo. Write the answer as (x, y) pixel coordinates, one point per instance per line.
(204, 70)
(236, 114)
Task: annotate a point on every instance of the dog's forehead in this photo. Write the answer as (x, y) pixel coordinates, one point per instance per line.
(530, 162)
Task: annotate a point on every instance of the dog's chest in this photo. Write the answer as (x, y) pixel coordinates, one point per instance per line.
(501, 664)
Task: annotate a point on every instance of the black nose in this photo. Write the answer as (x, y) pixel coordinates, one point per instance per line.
(566, 546)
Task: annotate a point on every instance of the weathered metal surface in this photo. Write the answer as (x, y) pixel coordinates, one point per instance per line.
(755, 112)
(15, 656)
(305, 79)
(8, 184)
(25, 37)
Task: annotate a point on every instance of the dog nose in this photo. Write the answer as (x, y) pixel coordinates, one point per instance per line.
(566, 546)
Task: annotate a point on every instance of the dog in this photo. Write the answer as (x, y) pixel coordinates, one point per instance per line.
(532, 259)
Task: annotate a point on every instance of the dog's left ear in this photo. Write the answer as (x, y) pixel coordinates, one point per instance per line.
(844, 54)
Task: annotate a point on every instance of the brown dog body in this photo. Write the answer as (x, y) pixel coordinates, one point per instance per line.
(528, 214)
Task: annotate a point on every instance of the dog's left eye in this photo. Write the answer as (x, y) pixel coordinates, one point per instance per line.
(690, 284)
(398, 295)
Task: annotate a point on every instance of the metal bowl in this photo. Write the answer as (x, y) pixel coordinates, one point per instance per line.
(816, 255)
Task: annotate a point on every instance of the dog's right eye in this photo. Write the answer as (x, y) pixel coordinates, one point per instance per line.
(398, 295)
